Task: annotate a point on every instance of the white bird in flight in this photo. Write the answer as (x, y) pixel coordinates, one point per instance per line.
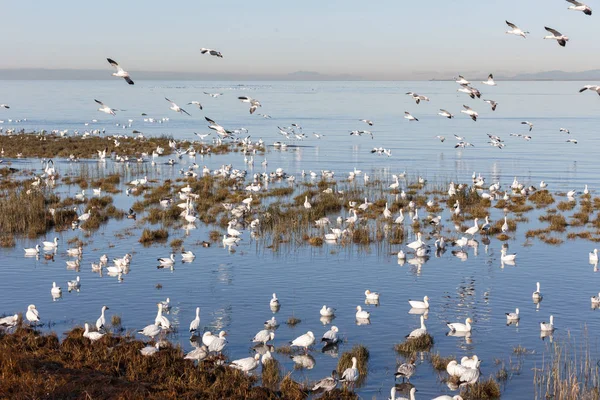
(254, 104)
(529, 124)
(445, 113)
(556, 35)
(121, 73)
(516, 30)
(104, 108)
(490, 81)
(215, 95)
(176, 108)
(196, 103)
(577, 6)
(4, 106)
(461, 80)
(409, 117)
(470, 112)
(491, 103)
(211, 52)
(594, 88)
(367, 121)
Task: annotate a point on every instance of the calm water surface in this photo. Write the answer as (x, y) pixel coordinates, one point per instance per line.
(233, 288)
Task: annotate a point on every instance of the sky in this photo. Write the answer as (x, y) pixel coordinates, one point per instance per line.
(382, 39)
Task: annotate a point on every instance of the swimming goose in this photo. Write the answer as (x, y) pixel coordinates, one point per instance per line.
(516, 30)
(274, 301)
(263, 336)
(490, 81)
(246, 364)
(218, 343)
(327, 311)
(56, 290)
(593, 256)
(458, 327)
(547, 326)
(595, 300)
(230, 241)
(32, 250)
(151, 330)
(195, 324)
(75, 251)
(411, 395)
(537, 295)
(362, 314)
(271, 324)
(150, 350)
(187, 255)
(507, 257)
(331, 336)
(409, 117)
(51, 245)
(417, 333)
(93, 336)
(101, 320)
(75, 284)
(556, 35)
(470, 112)
(167, 261)
(306, 340)
(446, 114)
(231, 231)
(350, 375)
(371, 295)
(406, 370)
(419, 304)
(121, 73)
(513, 316)
(577, 6)
(327, 384)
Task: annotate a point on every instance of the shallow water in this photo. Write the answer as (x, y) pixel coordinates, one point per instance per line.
(233, 289)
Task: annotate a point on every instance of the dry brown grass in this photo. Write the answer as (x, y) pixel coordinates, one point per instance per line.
(149, 236)
(483, 390)
(411, 346)
(438, 362)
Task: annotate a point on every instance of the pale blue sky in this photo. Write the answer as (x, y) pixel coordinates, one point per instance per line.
(379, 39)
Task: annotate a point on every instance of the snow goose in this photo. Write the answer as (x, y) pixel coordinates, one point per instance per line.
(167, 261)
(367, 121)
(547, 326)
(218, 343)
(274, 302)
(230, 241)
(101, 321)
(594, 88)
(150, 350)
(571, 193)
(187, 255)
(77, 251)
(516, 30)
(556, 35)
(121, 73)
(362, 314)
(263, 336)
(218, 55)
(469, 362)
(537, 295)
(327, 384)
(246, 364)
(409, 117)
(411, 395)
(400, 218)
(371, 295)
(306, 340)
(151, 330)
(470, 375)
(417, 333)
(331, 336)
(9, 321)
(307, 204)
(446, 114)
(490, 81)
(74, 284)
(406, 370)
(197, 103)
(176, 108)
(504, 227)
(448, 397)
(350, 375)
(419, 304)
(492, 103)
(417, 243)
(93, 336)
(461, 80)
(455, 369)
(51, 245)
(593, 256)
(513, 316)
(327, 311)
(507, 257)
(386, 212)
(161, 319)
(56, 290)
(470, 112)
(195, 324)
(474, 229)
(459, 327)
(271, 324)
(32, 251)
(594, 299)
(577, 6)
(197, 354)
(104, 108)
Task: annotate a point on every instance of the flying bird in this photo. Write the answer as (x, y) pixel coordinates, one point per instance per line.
(470, 112)
(574, 141)
(516, 30)
(211, 52)
(445, 113)
(254, 104)
(565, 130)
(417, 98)
(218, 128)
(577, 6)
(491, 103)
(471, 91)
(461, 80)
(121, 73)
(176, 108)
(490, 81)
(4, 106)
(409, 117)
(556, 35)
(529, 124)
(104, 108)
(196, 103)
(367, 121)
(215, 95)
(595, 88)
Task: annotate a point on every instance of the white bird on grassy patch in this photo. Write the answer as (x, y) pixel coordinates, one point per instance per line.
(101, 321)
(246, 364)
(93, 336)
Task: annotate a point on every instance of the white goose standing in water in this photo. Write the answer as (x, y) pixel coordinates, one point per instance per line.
(459, 327)
(593, 256)
(537, 295)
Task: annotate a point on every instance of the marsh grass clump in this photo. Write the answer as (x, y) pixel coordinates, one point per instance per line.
(557, 222)
(439, 362)
(176, 244)
(362, 356)
(291, 389)
(7, 241)
(520, 350)
(541, 198)
(410, 346)
(503, 237)
(483, 390)
(316, 241)
(361, 235)
(566, 205)
(552, 240)
(293, 321)
(149, 236)
(271, 374)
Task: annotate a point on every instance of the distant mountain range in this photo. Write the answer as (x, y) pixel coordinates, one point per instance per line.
(88, 74)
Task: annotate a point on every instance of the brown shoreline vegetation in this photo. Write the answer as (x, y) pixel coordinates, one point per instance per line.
(35, 365)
